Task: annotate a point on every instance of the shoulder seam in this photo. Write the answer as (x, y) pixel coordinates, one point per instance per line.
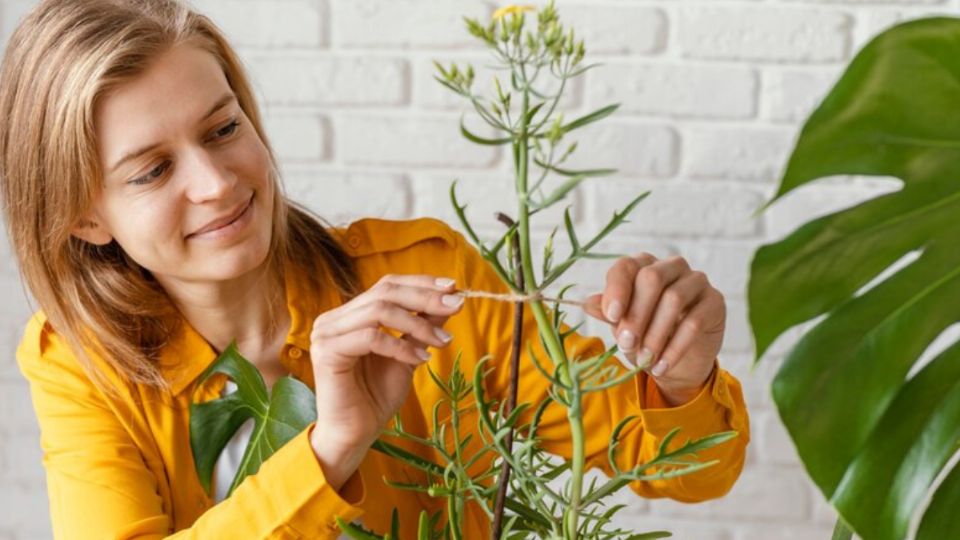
(365, 236)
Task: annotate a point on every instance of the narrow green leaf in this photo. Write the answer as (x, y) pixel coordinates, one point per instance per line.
(559, 193)
(482, 140)
(424, 529)
(407, 457)
(406, 486)
(569, 172)
(615, 441)
(596, 115)
(571, 232)
(533, 111)
(650, 535)
(603, 256)
(617, 219)
(526, 513)
(395, 525)
(356, 531)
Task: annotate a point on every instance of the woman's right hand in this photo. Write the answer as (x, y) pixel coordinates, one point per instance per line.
(362, 373)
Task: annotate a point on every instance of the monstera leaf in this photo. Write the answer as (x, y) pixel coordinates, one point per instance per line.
(278, 416)
(874, 427)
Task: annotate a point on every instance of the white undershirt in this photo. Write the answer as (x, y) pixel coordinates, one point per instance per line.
(229, 460)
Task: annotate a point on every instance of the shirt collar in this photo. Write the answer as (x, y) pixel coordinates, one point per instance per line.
(188, 354)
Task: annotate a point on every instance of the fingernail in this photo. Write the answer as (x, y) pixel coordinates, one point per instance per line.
(444, 282)
(660, 368)
(452, 300)
(614, 311)
(443, 335)
(626, 341)
(644, 358)
(422, 353)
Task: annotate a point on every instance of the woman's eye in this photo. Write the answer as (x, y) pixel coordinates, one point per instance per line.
(227, 129)
(152, 175)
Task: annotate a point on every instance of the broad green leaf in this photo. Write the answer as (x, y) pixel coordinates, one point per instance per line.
(872, 435)
(278, 416)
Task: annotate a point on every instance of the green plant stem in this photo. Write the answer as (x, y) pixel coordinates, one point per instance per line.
(455, 500)
(545, 325)
(516, 348)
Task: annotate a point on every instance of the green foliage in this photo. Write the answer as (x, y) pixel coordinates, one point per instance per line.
(525, 117)
(535, 506)
(873, 426)
(278, 417)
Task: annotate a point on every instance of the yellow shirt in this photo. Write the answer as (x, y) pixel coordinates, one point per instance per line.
(119, 464)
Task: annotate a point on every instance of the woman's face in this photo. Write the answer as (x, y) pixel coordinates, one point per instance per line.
(187, 191)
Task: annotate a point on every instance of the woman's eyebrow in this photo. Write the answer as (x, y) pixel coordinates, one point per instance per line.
(222, 102)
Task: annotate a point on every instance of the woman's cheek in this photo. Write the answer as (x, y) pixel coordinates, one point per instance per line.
(251, 158)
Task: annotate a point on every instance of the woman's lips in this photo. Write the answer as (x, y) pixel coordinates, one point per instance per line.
(220, 227)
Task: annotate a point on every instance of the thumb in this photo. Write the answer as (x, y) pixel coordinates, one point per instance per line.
(593, 307)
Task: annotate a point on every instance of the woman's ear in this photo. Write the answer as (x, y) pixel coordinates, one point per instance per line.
(92, 231)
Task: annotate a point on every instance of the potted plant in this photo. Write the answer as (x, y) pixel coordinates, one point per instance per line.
(516, 491)
(874, 419)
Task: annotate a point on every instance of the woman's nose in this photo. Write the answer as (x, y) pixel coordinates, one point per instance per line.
(206, 177)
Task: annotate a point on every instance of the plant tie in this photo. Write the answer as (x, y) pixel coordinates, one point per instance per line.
(535, 296)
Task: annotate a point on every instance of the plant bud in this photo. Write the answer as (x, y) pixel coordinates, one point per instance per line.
(496, 83)
(442, 71)
(474, 28)
(533, 45)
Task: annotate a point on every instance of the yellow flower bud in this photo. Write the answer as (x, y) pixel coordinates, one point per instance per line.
(512, 9)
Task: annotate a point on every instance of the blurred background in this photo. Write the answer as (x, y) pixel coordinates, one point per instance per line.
(713, 94)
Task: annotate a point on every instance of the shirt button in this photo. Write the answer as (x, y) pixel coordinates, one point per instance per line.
(295, 352)
(353, 241)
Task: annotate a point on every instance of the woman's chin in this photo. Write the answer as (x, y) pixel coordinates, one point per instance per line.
(238, 262)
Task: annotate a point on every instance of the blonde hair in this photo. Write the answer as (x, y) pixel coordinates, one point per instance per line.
(61, 59)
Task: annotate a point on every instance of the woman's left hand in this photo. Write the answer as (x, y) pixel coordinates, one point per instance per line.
(665, 316)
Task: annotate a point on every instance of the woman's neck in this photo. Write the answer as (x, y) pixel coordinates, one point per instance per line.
(250, 309)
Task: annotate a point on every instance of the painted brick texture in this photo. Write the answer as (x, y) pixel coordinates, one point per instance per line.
(713, 94)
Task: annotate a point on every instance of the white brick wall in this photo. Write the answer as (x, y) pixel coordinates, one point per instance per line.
(713, 92)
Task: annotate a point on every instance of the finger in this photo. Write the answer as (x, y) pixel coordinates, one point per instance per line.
(619, 284)
(391, 283)
(593, 306)
(649, 283)
(437, 321)
(383, 313)
(419, 280)
(697, 321)
(365, 341)
(674, 302)
(414, 298)
(421, 299)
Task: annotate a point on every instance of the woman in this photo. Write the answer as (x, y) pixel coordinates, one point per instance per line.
(144, 205)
